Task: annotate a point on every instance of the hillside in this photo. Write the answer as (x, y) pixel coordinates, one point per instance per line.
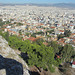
(10, 62)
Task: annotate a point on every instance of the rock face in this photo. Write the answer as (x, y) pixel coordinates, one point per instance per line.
(10, 62)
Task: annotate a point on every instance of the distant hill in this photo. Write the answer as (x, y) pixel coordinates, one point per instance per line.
(62, 5)
(65, 5)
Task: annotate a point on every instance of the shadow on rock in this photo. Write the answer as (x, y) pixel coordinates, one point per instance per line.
(33, 73)
(11, 66)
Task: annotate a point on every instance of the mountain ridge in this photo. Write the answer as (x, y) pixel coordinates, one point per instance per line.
(62, 5)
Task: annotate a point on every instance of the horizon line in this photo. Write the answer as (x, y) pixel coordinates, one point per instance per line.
(40, 3)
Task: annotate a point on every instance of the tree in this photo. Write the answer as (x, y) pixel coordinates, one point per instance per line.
(20, 32)
(7, 22)
(67, 33)
(19, 24)
(67, 52)
(41, 56)
(33, 35)
(50, 31)
(74, 27)
(14, 22)
(15, 42)
(42, 33)
(39, 41)
(7, 36)
(55, 46)
(60, 36)
(25, 46)
(27, 34)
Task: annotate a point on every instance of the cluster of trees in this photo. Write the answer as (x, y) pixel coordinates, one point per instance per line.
(42, 33)
(3, 23)
(66, 53)
(50, 31)
(60, 36)
(38, 33)
(19, 24)
(67, 33)
(27, 34)
(40, 55)
(5, 35)
(55, 46)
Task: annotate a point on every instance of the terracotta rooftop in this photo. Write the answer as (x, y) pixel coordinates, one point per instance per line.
(32, 39)
(61, 30)
(45, 43)
(73, 63)
(52, 27)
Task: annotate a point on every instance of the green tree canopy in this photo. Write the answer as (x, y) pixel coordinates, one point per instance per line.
(55, 46)
(67, 52)
(67, 33)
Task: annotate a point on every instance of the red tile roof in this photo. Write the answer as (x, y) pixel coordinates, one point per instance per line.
(71, 25)
(52, 27)
(45, 43)
(73, 63)
(58, 56)
(32, 39)
(61, 30)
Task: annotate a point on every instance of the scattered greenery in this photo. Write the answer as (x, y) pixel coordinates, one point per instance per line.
(3, 23)
(27, 34)
(60, 36)
(67, 33)
(19, 24)
(50, 31)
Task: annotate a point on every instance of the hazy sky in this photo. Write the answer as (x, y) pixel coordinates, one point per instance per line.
(37, 1)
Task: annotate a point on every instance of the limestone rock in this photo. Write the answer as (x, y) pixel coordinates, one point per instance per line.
(10, 62)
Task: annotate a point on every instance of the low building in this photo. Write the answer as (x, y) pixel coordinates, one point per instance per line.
(73, 64)
(32, 39)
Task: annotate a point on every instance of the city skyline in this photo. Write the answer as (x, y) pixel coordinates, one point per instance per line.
(35, 1)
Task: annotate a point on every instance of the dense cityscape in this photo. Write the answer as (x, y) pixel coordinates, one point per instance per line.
(32, 19)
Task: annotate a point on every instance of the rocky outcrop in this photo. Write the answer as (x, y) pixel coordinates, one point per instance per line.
(10, 62)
